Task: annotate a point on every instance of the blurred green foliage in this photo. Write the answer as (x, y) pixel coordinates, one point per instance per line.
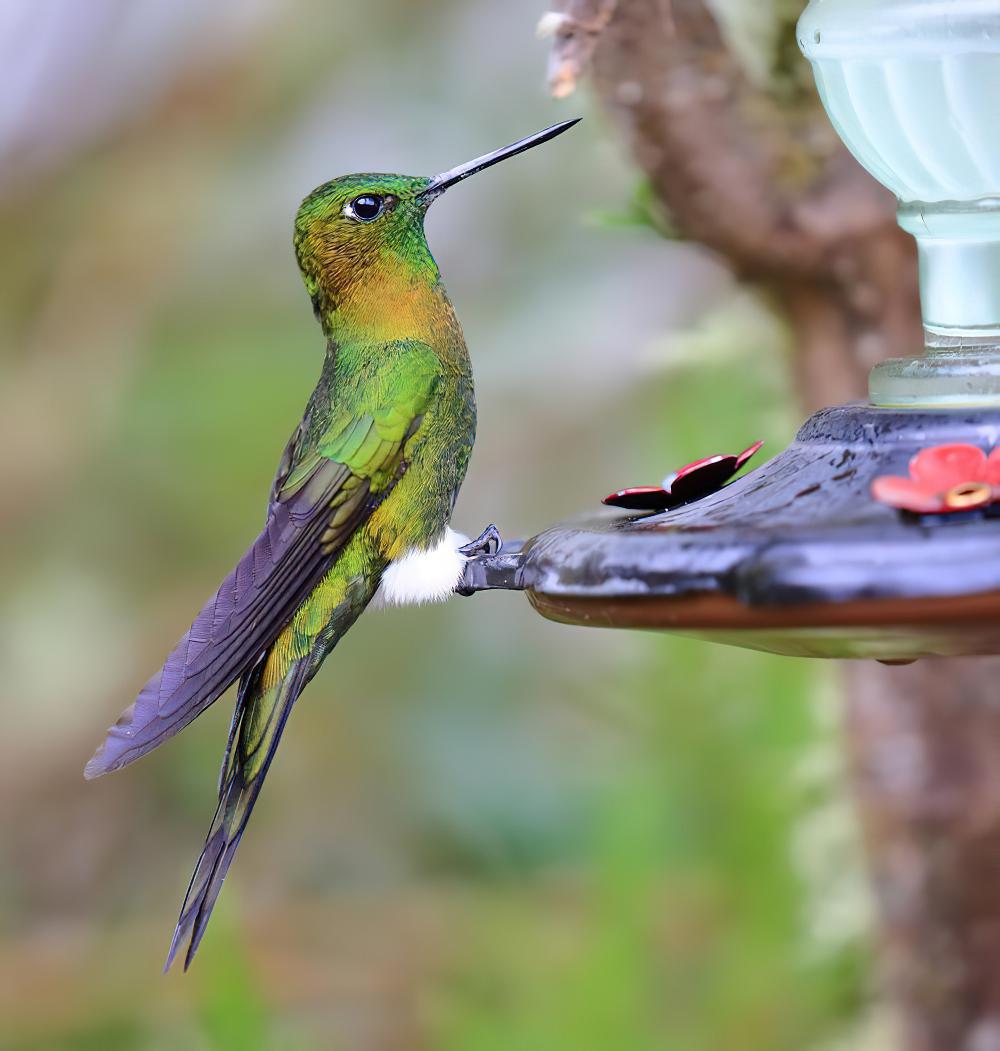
(643, 209)
(484, 830)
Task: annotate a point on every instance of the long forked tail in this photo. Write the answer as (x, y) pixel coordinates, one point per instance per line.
(260, 717)
(268, 690)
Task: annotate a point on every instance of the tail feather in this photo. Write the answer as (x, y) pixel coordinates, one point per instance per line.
(249, 685)
(268, 691)
(242, 779)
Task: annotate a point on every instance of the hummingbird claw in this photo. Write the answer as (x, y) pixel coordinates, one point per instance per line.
(488, 543)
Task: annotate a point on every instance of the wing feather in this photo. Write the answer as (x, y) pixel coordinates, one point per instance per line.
(275, 575)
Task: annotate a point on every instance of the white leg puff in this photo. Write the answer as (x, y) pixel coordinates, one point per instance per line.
(423, 574)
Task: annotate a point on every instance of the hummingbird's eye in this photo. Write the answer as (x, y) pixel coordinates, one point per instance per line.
(365, 208)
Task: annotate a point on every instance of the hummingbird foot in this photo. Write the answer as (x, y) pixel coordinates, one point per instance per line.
(489, 542)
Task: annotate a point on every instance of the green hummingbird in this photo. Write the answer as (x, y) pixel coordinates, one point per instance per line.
(359, 509)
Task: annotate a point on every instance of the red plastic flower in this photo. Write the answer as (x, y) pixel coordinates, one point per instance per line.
(943, 479)
(691, 482)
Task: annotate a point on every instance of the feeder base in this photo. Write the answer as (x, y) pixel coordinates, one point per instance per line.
(793, 558)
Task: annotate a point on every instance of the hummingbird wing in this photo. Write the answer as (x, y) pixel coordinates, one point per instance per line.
(326, 487)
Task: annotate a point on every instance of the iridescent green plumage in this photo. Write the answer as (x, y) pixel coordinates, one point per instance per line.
(367, 482)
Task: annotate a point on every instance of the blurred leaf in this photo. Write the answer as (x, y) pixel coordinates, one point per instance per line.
(231, 1004)
(644, 209)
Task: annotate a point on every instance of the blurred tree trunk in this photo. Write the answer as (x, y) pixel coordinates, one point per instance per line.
(752, 168)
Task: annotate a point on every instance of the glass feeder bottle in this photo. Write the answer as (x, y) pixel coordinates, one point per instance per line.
(913, 89)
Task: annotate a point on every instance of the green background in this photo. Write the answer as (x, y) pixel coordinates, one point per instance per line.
(483, 830)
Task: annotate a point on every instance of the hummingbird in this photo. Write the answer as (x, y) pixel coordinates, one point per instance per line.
(358, 512)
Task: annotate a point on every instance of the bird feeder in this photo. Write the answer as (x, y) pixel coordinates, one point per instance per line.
(876, 533)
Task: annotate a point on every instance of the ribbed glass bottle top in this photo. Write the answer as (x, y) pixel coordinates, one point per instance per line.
(912, 87)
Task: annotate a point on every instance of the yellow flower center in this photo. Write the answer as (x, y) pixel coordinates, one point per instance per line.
(966, 495)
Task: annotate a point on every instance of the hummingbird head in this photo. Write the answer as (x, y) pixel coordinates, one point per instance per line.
(358, 234)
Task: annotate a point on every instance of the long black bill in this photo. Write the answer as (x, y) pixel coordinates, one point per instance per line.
(441, 182)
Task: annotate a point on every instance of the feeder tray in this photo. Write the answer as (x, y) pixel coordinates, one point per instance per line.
(794, 558)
